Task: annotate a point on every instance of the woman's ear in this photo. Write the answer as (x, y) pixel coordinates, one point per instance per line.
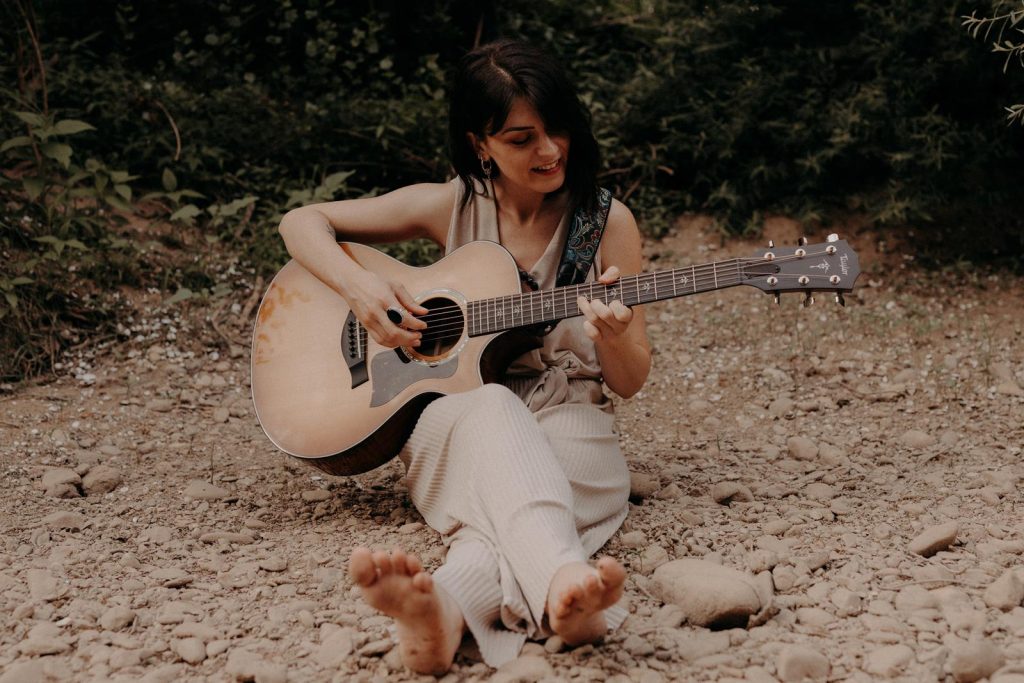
(476, 144)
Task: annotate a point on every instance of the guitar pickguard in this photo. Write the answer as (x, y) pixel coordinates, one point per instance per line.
(392, 373)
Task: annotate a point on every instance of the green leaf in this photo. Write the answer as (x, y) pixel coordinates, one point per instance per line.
(124, 190)
(12, 300)
(75, 244)
(58, 151)
(118, 203)
(19, 141)
(34, 120)
(183, 294)
(170, 182)
(22, 280)
(186, 213)
(122, 176)
(33, 187)
(71, 127)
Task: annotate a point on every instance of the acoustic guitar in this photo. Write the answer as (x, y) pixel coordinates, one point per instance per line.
(327, 393)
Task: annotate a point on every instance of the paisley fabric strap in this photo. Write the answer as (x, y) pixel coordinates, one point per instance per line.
(580, 249)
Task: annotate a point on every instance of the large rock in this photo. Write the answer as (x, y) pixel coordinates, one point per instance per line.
(888, 661)
(802, 448)
(970, 662)
(712, 595)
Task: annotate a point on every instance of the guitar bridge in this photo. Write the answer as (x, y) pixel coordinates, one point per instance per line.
(353, 349)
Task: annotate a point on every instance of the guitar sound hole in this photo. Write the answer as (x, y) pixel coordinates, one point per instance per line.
(445, 325)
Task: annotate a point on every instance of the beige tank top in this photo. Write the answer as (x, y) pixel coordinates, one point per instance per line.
(565, 369)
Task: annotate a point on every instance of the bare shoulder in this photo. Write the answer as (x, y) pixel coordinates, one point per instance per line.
(426, 205)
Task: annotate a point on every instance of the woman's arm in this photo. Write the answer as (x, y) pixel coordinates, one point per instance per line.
(311, 232)
(619, 333)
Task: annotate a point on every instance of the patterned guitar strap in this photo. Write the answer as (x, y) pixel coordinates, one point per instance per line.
(580, 249)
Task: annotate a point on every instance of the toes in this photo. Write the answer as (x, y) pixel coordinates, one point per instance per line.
(611, 572)
(383, 562)
(423, 582)
(398, 559)
(361, 567)
(591, 584)
(413, 565)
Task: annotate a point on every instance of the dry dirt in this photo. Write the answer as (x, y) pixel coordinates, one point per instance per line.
(198, 552)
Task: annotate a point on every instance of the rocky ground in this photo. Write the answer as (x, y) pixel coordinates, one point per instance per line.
(836, 491)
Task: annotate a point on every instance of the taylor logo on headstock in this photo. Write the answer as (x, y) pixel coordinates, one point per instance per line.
(823, 265)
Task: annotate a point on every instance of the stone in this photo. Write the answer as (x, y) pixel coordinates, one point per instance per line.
(191, 650)
(42, 585)
(316, 495)
(819, 491)
(24, 672)
(798, 663)
(934, 539)
(523, 669)
(814, 616)
(913, 598)
(847, 602)
(633, 539)
(55, 476)
(888, 661)
(725, 492)
(273, 563)
(71, 521)
(101, 479)
(802, 448)
(198, 489)
(160, 405)
(335, 646)
(637, 646)
(642, 485)
(1006, 592)
(972, 661)
(229, 536)
(244, 665)
(653, 557)
(117, 618)
(917, 439)
(710, 594)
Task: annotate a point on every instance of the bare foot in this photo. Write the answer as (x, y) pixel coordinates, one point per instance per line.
(429, 622)
(578, 596)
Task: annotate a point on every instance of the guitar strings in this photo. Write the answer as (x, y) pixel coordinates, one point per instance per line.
(448, 319)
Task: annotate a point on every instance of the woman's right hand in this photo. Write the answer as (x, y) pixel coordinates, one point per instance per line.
(370, 296)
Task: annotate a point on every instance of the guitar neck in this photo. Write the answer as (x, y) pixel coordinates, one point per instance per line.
(488, 316)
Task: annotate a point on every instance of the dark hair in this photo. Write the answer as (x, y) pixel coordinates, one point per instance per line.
(486, 83)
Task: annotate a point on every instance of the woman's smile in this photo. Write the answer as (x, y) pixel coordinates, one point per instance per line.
(549, 169)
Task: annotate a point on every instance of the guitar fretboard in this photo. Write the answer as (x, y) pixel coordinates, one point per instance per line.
(487, 316)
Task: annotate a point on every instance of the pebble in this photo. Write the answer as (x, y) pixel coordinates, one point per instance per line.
(917, 439)
(31, 671)
(972, 661)
(273, 563)
(633, 539)
(72, 521)
(160, 405)
(410, 528)
(191, 650)
(888, 661)
(229, 536)
(725, 492)
(653, 557)
(913, 598)
(637, 646)
(1006, 592)
(376, 648)
(934, 539)
(819, 491)
(847, 602)
(710, 594)
(42, 585)
(316, 495)
(244, 665)
(198, 489)
(172, 577)
(554, 644)
(777, 527)
(336, 644)
(117, 618)
(642, 485)
(802, 448)
(101, 479)
(814, 616)
(798, 663)
(524, 669)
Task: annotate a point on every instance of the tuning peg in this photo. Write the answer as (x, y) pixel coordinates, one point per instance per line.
(801, 241)
(832, 238)
(771, 244)
(778, 298)
(839, 299)
(809, 299)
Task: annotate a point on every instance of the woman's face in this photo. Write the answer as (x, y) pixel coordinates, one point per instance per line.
(527, 154)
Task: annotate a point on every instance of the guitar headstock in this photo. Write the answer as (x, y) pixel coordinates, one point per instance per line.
(831, 266)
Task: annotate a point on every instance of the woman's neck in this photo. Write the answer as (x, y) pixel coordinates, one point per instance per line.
(524, 205)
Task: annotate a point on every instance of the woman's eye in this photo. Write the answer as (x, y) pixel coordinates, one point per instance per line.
(521, 141)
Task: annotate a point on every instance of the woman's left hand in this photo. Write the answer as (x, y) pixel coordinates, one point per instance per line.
(605, 322)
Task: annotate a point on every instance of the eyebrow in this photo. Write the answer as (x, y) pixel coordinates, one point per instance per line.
(514, 129)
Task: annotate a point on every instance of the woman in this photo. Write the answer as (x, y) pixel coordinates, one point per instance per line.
(525, 479)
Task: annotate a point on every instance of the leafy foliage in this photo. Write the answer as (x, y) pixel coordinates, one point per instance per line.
(219, 117)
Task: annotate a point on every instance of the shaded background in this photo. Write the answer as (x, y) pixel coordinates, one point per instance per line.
(132, 129)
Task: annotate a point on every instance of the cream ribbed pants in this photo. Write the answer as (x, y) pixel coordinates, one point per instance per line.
(516, 495)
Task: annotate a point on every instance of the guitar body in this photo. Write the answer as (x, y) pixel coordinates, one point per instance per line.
(327, 393)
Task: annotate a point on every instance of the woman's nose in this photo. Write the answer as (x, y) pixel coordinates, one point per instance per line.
(547, 145)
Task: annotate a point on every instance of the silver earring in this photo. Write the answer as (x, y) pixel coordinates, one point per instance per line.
(487, 167)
